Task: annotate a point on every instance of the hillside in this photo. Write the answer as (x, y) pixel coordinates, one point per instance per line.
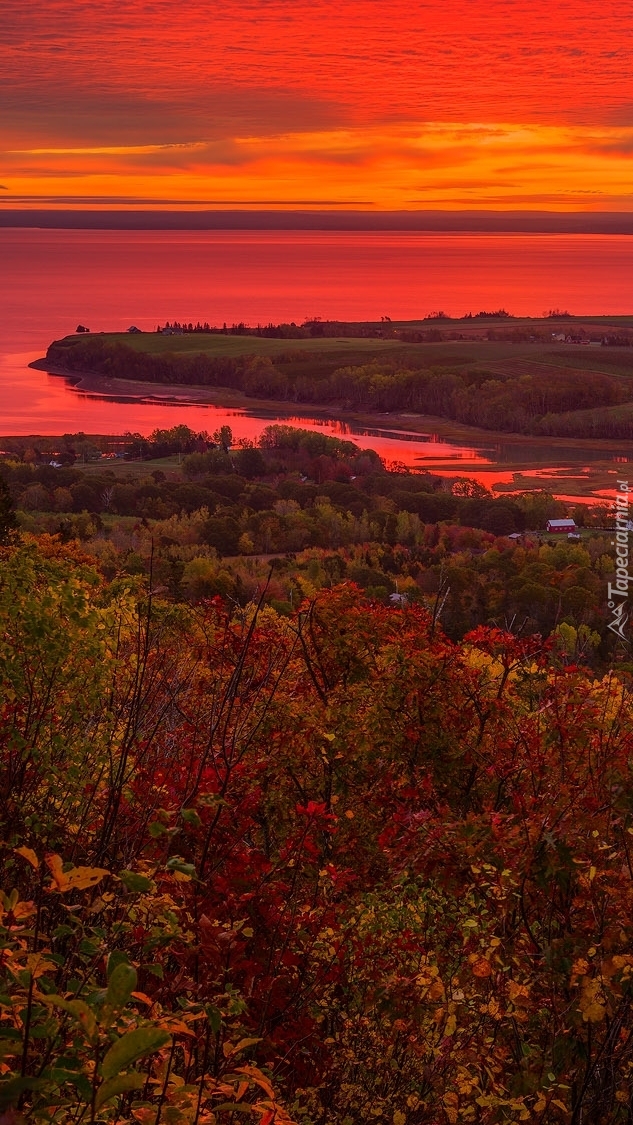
(318, 869)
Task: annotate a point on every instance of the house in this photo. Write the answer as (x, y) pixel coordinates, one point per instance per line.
(134, 329)
(561, 526)
(398, 600)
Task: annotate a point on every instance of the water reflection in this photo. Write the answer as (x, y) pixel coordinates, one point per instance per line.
(535, 464)
(111, 279)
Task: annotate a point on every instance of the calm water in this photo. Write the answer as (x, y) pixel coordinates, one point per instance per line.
(52, 280)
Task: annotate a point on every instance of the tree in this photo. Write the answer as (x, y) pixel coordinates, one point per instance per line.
(8, 521)
(223, 437)
(470, 487)
(250, 463)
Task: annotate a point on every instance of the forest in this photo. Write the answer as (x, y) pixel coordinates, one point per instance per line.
(317, 510)
(335, 832)
(548, 398)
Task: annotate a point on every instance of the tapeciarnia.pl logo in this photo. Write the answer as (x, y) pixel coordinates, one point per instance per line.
(618, 591)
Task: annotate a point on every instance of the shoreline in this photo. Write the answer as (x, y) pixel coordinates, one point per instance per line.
(96, 385)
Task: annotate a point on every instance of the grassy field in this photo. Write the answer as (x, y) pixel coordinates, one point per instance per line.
(218, 345)
(124, 470)
(329, 352)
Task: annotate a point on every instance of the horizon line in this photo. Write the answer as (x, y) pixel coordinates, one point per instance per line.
(464, 220)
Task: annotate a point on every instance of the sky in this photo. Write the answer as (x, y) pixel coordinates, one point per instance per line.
(283, 104)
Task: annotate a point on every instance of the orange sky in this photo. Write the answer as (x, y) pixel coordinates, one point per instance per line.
(499, 104)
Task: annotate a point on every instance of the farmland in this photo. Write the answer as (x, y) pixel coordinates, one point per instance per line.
(497, 373)
(428, 342)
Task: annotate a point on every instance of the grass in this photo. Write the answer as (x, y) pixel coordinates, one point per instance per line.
(124, 470)
(218, 345)
(339, 351)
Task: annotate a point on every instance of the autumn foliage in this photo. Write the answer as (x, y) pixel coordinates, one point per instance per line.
(326, 869)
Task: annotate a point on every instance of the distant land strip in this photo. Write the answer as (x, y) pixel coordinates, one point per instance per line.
(515, 222)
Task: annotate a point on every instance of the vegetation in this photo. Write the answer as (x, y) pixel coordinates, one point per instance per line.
(331, 867)
(316, 793)
(511, 380)
(328, 512)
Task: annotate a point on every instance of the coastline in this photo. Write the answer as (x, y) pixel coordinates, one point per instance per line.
(92, 383)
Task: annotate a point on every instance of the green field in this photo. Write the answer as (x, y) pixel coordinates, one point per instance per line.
(473, 349)
(219, 345)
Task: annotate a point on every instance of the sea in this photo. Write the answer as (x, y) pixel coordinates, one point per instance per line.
(52, 280)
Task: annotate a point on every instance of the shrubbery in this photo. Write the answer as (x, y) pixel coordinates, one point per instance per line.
(327, 868)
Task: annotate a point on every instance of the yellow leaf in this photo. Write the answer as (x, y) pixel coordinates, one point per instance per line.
(256, 1076)
(579, 968)
(593, 1011)
(399, 1118)
(29, 855)
(23, 910)
(518, 993)
(175, 1026)
(76, 879)
(80, 878)
(55, 866)
(37, 965)
(451, 1026)
(451, 1102)
(235, 1048)
(143, 997)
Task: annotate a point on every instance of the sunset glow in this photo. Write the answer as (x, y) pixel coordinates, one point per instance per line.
(377, 106)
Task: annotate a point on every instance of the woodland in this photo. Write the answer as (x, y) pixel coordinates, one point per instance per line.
(536, 392)
(302, 511)
(279, 847)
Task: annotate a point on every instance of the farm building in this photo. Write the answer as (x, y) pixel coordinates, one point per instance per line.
(561, 526)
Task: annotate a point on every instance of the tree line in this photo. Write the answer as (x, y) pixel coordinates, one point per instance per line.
(329, 512)
(568, 403)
